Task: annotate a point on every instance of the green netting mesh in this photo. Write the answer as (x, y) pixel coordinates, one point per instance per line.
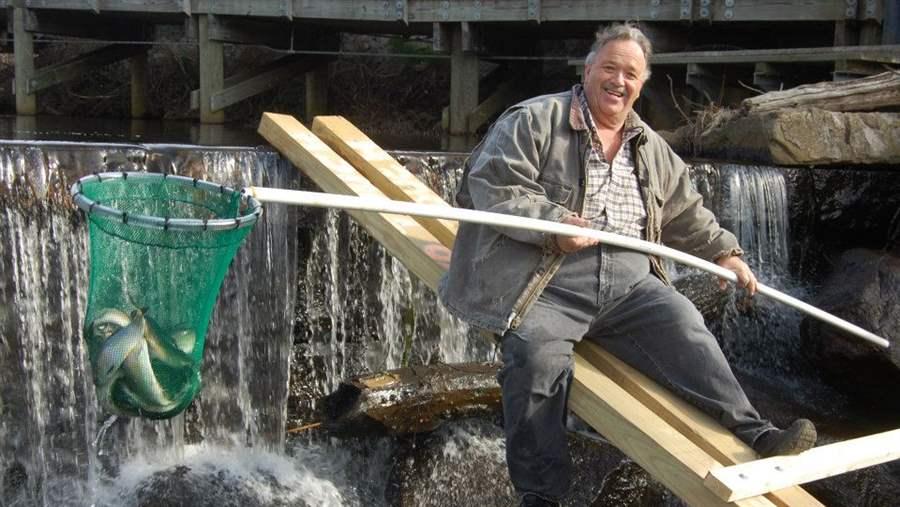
(160, 248)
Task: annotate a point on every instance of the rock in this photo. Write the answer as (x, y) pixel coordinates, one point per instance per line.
(792, 137)
(864, 289)
(464, 463)
(630, 486)
(459, 464)
(180, 485)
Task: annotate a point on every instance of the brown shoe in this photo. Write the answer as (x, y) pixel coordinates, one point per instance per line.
(798, 437)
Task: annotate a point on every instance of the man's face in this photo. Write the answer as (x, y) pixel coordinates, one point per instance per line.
(614, 80)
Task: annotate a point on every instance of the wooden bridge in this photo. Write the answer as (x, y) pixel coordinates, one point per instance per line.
(780, 44)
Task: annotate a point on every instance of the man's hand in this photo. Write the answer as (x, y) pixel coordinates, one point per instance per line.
(746, 279)
(569, 244)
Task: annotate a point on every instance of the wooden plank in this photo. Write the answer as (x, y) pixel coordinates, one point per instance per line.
(86, 24)
(757, 477)
(81, 64)
(272, 33)
(422, 254)
(884, 54)
(259, 79)
(270, 75)
(441, 11)
(666, 454)
(148, 6)
(383, 171)
(695, 425)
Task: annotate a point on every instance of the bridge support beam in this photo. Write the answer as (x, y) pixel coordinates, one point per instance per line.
(138, 68)
(212, 71)
(463, 86)
(26, 99)
(316, 92)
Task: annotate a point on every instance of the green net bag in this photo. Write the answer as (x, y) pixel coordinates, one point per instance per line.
(160, 247)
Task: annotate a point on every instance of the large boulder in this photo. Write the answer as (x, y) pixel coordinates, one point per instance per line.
(794, 137)
(864, 288)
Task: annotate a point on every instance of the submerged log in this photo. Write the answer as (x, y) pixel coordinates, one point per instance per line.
(413, 399)
(870, 93)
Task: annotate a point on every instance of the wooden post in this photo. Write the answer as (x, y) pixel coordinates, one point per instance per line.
(463, 89)
(316, 92)
(212, 71)
(26, 100)
(138, 67)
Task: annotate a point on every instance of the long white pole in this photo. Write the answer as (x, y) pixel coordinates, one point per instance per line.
(325, 200)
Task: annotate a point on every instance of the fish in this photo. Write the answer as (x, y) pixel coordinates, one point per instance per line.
(162, 350)
(185, 340)
(118, 347)
(141, 382)
(108, 321)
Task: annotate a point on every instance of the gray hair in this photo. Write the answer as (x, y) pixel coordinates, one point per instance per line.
(621, 31)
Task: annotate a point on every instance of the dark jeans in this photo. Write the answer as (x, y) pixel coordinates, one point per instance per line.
(613, 300)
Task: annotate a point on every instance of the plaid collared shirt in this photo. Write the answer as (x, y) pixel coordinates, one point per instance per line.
(612, 199)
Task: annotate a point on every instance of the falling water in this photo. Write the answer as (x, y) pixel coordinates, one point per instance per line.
(310, 294)
(755, 208)
(761, 337)
(57, 447)
(360, 311)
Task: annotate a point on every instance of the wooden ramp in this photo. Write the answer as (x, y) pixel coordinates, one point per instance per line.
(681, 447)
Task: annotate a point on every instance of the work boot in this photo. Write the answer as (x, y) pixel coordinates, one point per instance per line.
(533, 500)
(798, 437)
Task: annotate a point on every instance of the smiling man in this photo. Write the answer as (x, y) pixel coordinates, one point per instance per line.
(584, 157)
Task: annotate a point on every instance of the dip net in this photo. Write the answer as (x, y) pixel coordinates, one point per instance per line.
(160, 246)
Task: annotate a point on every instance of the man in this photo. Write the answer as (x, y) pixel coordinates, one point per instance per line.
(584, 157)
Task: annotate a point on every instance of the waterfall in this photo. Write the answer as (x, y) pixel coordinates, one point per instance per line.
(360, 310)
(309, 294)
(752, 203)
(57, 446)
(755, 209)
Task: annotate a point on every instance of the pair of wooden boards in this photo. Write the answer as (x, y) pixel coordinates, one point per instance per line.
(680, 446)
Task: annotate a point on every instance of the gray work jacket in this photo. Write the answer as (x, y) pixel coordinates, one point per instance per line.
(531, 163)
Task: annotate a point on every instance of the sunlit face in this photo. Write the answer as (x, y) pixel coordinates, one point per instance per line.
(613, 81)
